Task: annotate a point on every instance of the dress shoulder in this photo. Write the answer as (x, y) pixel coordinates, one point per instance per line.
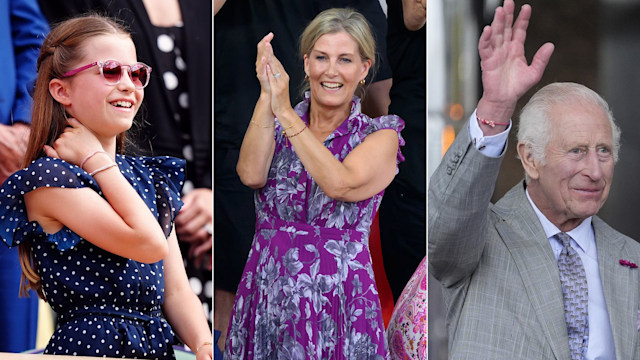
(161, 170)
(393, 122)
(43, 172)
(159, 181)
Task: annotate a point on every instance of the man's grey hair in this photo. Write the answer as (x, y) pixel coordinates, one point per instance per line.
(534, 129)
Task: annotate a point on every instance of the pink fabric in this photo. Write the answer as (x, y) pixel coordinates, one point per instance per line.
(407, 331)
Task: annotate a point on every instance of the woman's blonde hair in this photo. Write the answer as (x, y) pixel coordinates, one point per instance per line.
(62, 47)
(337, 20)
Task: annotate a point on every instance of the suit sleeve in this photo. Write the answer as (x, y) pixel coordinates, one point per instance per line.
(459, 200)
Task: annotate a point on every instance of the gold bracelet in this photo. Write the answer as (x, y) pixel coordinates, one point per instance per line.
(296, 134)
(203, 345)
(102, 169)
(290, 126)
(258, 125)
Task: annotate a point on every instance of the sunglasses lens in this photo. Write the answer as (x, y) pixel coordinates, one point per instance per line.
(112, 72)
(139, 75)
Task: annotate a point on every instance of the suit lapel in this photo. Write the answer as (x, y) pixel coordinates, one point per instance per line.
(524, 237)
(619, 286)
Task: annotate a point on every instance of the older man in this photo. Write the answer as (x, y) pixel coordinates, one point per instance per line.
(537, 275)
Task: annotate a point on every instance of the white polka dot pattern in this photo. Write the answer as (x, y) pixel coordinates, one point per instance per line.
(106, 305)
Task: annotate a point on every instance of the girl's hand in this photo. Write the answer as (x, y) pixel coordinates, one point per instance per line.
(74, 144)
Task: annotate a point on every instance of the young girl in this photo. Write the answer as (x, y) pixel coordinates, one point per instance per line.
(95, 228)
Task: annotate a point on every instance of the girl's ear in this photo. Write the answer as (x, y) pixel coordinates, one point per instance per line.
(60, 91)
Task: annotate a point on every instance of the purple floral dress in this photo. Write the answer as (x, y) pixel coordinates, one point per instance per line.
(308, 289)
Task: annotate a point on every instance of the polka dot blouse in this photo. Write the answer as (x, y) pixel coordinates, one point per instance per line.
(107, 305)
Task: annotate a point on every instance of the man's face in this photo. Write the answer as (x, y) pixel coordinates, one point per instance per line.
(574, 183)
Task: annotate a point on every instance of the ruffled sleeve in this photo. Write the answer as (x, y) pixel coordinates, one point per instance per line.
(159, 182)
(15, 227)
(391, 122)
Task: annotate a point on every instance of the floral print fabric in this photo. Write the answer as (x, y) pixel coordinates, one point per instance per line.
(308, 289)
(407, 331)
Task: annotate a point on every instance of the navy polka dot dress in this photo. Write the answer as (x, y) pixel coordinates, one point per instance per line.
(107, 305)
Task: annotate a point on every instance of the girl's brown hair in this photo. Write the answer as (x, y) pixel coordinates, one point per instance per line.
(62, 47)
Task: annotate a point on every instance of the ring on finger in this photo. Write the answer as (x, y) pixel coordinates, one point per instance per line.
(276, 75)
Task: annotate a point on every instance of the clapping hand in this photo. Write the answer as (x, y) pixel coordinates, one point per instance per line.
(274, 80)
(265, 52)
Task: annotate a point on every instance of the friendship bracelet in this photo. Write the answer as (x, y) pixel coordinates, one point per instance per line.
(203, 345)
(102, 169)
(296, 134)
(258, 125)
(89, 157)
(491, 122)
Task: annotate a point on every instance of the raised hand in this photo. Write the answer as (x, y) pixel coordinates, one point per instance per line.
(506, 76)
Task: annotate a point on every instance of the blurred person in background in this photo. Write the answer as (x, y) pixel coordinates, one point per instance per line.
(22, 30)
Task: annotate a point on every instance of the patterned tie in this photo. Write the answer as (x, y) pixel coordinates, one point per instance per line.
(575, 293)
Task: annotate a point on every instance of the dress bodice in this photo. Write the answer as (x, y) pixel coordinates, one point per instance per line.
(292, 195)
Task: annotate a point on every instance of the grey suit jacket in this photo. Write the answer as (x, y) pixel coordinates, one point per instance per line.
(500, 278)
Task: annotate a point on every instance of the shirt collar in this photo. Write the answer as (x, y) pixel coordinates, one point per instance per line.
(582, 234)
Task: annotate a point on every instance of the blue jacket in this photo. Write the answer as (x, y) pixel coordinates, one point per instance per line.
(22, 31)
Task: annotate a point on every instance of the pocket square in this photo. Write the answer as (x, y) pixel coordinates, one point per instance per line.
(628, 264)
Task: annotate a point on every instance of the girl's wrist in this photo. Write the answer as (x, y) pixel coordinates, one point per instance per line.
(204, 345)
(99, 160)
(86, 158)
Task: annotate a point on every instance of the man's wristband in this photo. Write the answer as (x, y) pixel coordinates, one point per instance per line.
(491, 122)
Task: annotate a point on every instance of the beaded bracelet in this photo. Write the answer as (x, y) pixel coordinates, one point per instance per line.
(203, 345)
(102, 169)
(90, 156)
(296, 134)
(491, 122)
(261, 126)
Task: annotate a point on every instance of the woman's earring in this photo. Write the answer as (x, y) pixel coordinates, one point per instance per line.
(362, 82)
(306, 78)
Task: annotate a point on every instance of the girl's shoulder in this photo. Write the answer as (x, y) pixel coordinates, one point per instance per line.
(15, 226)
(47, 172)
